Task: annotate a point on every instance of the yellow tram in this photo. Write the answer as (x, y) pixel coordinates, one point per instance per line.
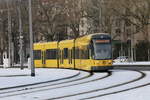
(91, 52)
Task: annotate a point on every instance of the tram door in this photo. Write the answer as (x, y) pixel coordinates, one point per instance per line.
(43, 54)
(43, 59)
(61, 60)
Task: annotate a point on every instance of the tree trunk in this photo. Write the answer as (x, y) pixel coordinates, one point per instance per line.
(146, 33)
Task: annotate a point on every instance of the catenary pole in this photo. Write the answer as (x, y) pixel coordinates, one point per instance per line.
(21, 35)
(31, 39)
(9, 34)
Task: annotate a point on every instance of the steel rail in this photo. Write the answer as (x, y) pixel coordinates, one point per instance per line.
(96, 90)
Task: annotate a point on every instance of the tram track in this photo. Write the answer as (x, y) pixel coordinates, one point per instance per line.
(73, 84)
(42, 84)
(115, 92)
(38, 83)
(96, 90)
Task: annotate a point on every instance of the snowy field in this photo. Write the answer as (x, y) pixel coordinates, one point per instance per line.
(64, 84)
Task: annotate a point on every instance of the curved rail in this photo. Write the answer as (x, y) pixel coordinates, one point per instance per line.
(40, 82)
(115, 92)
(142, 75)
(43, 84)
(107, 75)
(96, 90)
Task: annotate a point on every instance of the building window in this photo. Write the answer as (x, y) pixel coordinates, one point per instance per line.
(118, 23)
(118, 30)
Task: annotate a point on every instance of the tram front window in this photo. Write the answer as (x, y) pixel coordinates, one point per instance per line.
(102, 50)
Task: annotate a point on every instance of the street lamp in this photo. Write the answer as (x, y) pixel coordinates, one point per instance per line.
(31, 40)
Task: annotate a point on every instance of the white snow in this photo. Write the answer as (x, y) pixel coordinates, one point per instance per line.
(132, 63)
(13, 77)
(22, 77)
(142, 93)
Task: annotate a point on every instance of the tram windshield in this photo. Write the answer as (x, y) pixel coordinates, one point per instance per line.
(102, 49)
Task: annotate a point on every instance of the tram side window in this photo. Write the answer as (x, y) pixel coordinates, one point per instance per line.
(62, 57)
(73, 53)
(71, 57)
(65, 53)
(76, 53)
(37, 54)
(51, 54)
(84, 53)
(87, 54)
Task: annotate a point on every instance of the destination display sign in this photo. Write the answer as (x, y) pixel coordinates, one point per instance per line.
(102, 41)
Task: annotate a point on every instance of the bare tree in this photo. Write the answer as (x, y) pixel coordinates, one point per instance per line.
(4, 28)
(74, 13)
(135, 12)
(50, 16)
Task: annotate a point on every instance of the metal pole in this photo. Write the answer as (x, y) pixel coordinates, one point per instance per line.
(132, 48)
(100, 17)
(31, 40)
(121, 48)
(9, 34)
(21, 35)
(148, 55)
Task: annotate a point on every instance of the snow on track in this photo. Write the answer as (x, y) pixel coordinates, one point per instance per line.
(135, 91)
(16, 77)
(117, 77)
(105, 86)
(43, 86)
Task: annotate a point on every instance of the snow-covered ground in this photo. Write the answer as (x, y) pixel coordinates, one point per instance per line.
(115, 63)
(13, 77)
(132, 63)
(75, 85)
